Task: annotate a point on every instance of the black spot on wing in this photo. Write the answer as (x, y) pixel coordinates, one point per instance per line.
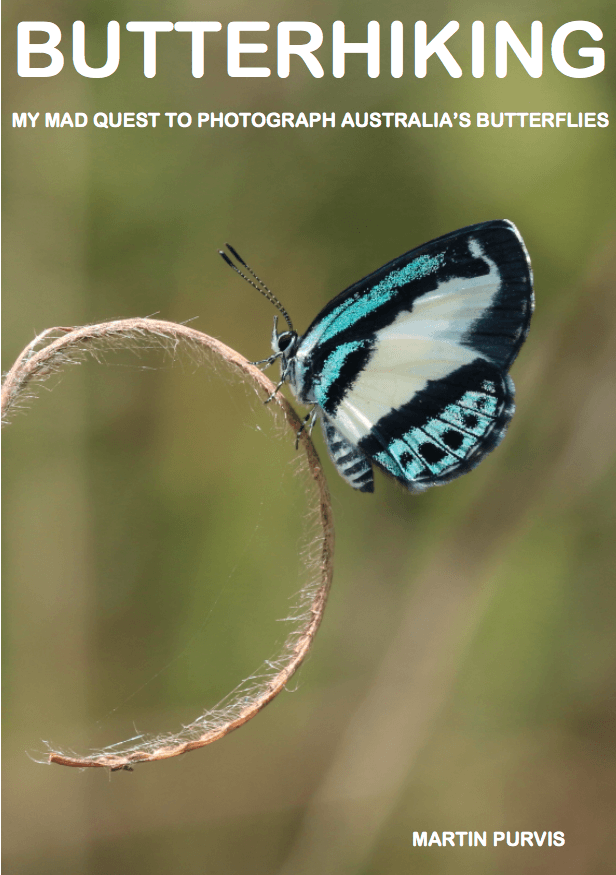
(430, 403)
(453, 439)
(431, 453)
(405, 459)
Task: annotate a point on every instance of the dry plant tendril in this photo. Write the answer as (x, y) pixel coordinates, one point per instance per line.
(56, 347)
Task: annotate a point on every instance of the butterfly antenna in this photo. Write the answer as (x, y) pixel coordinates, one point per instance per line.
(267, 293)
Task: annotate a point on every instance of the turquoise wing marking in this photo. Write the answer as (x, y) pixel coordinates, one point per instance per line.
(465, 420)
(356, 307)
(453, 439)
(332, 367)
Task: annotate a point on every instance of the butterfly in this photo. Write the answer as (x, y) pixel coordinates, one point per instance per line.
(407, 369)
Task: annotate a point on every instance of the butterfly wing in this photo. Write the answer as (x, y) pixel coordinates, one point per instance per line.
(409, 365)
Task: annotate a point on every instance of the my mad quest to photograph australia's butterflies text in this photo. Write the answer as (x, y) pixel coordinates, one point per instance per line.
(407, 369)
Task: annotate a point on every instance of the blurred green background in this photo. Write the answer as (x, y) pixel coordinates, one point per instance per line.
(464, 674)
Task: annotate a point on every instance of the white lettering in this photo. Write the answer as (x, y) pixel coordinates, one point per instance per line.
(79, 51)
(558, 50)
(397, 49)
(235, 48)
(149, 30)
(371, 48)
(303, 50)
(533, 63)
(25, 48)
(477, 49)
(436, 46)
(198, 29)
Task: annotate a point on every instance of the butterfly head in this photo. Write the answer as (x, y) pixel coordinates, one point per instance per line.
(284, 343)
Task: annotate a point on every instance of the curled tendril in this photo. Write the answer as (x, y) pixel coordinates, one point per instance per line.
(56, 347)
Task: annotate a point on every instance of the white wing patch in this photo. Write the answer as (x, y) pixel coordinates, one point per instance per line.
(423, 345)
(448, 312)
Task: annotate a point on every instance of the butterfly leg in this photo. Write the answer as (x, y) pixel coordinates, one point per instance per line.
(266, 362)
(273, 395)
(312, 416)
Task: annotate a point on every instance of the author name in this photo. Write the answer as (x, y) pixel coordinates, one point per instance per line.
(475, 839)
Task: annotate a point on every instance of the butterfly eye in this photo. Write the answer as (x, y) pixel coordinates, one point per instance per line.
(285, 340)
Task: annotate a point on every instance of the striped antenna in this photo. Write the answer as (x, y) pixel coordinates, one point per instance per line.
(261, 287)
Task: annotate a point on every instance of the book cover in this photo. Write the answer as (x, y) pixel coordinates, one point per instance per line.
(456, 713)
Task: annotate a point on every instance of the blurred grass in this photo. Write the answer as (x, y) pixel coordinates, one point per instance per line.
(151, 529)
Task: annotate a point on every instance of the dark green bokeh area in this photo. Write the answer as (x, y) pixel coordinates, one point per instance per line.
(463, 678)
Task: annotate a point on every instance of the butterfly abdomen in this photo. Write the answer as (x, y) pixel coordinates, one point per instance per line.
(351, 463)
